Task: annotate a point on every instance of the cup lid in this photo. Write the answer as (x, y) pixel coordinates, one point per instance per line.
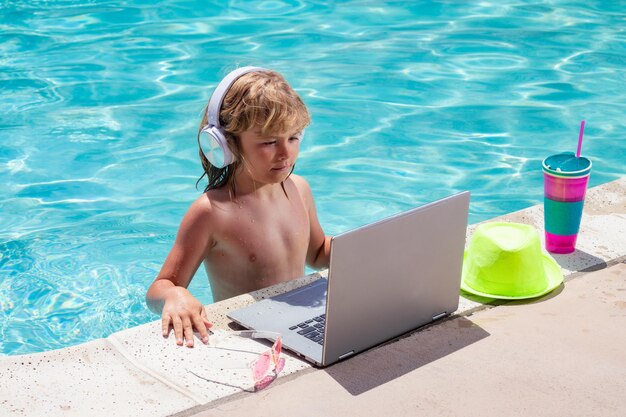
(567, 165)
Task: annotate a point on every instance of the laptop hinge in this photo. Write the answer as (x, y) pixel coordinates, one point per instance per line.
(438, 316)
(345, 355)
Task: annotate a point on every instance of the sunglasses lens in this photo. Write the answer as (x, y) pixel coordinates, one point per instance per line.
(264, 383)
(267, 380)
(278, 346)
(260, 366)
(280, 365)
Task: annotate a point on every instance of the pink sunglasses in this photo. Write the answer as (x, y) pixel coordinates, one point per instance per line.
(265, 362)
(265, 367)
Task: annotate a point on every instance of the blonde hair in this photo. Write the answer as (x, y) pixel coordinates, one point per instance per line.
(262, 99)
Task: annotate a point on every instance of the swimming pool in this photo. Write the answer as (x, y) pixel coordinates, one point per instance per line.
(410, 101)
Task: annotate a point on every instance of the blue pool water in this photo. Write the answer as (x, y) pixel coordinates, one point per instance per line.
(411, 101)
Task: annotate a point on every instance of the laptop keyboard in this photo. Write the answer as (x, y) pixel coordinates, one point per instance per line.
(312, 329)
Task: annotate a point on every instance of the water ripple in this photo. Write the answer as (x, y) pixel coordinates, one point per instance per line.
(410, 101)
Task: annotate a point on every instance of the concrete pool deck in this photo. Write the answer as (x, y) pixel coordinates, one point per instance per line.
(560, 355)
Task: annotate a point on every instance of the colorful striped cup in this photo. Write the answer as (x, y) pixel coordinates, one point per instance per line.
(565, 183)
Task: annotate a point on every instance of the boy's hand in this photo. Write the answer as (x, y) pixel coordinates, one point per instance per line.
(183, 312)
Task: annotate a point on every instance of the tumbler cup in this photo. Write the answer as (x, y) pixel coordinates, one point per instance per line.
(565, 183)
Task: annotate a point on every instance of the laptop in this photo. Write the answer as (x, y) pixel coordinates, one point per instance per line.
(385, 279)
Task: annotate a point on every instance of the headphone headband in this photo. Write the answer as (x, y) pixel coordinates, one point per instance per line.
(217, 98)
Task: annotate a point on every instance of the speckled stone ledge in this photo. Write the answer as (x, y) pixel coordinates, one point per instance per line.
(137, 372)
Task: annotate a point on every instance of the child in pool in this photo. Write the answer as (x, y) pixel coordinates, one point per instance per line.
(256, 224)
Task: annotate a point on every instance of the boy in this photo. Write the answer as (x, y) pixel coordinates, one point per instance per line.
(256, 224)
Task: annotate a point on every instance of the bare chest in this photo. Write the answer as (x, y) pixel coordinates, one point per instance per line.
(259, 245)
(267, 234)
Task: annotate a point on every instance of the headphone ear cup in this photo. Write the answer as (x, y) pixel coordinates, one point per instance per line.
(218, 153)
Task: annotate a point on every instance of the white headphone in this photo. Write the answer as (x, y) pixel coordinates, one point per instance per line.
(219, 154)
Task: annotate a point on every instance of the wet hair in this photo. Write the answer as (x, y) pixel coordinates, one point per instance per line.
(262, 99)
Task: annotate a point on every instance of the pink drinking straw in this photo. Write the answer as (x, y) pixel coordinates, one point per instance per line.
(580, 138)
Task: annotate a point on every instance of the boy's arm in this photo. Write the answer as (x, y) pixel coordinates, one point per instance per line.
(322, 255)
(318, 254)
(168, 294)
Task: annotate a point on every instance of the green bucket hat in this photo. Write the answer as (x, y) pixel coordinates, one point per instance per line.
(505, 260)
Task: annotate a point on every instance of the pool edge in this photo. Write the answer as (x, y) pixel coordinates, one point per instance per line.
(27, 390)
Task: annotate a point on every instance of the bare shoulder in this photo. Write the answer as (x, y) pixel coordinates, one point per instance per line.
(201, 206)
(303, 188)
(301, 184)
(202, 211)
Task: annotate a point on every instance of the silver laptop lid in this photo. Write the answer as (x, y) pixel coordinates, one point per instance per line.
(395, 275)
(385, 279)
